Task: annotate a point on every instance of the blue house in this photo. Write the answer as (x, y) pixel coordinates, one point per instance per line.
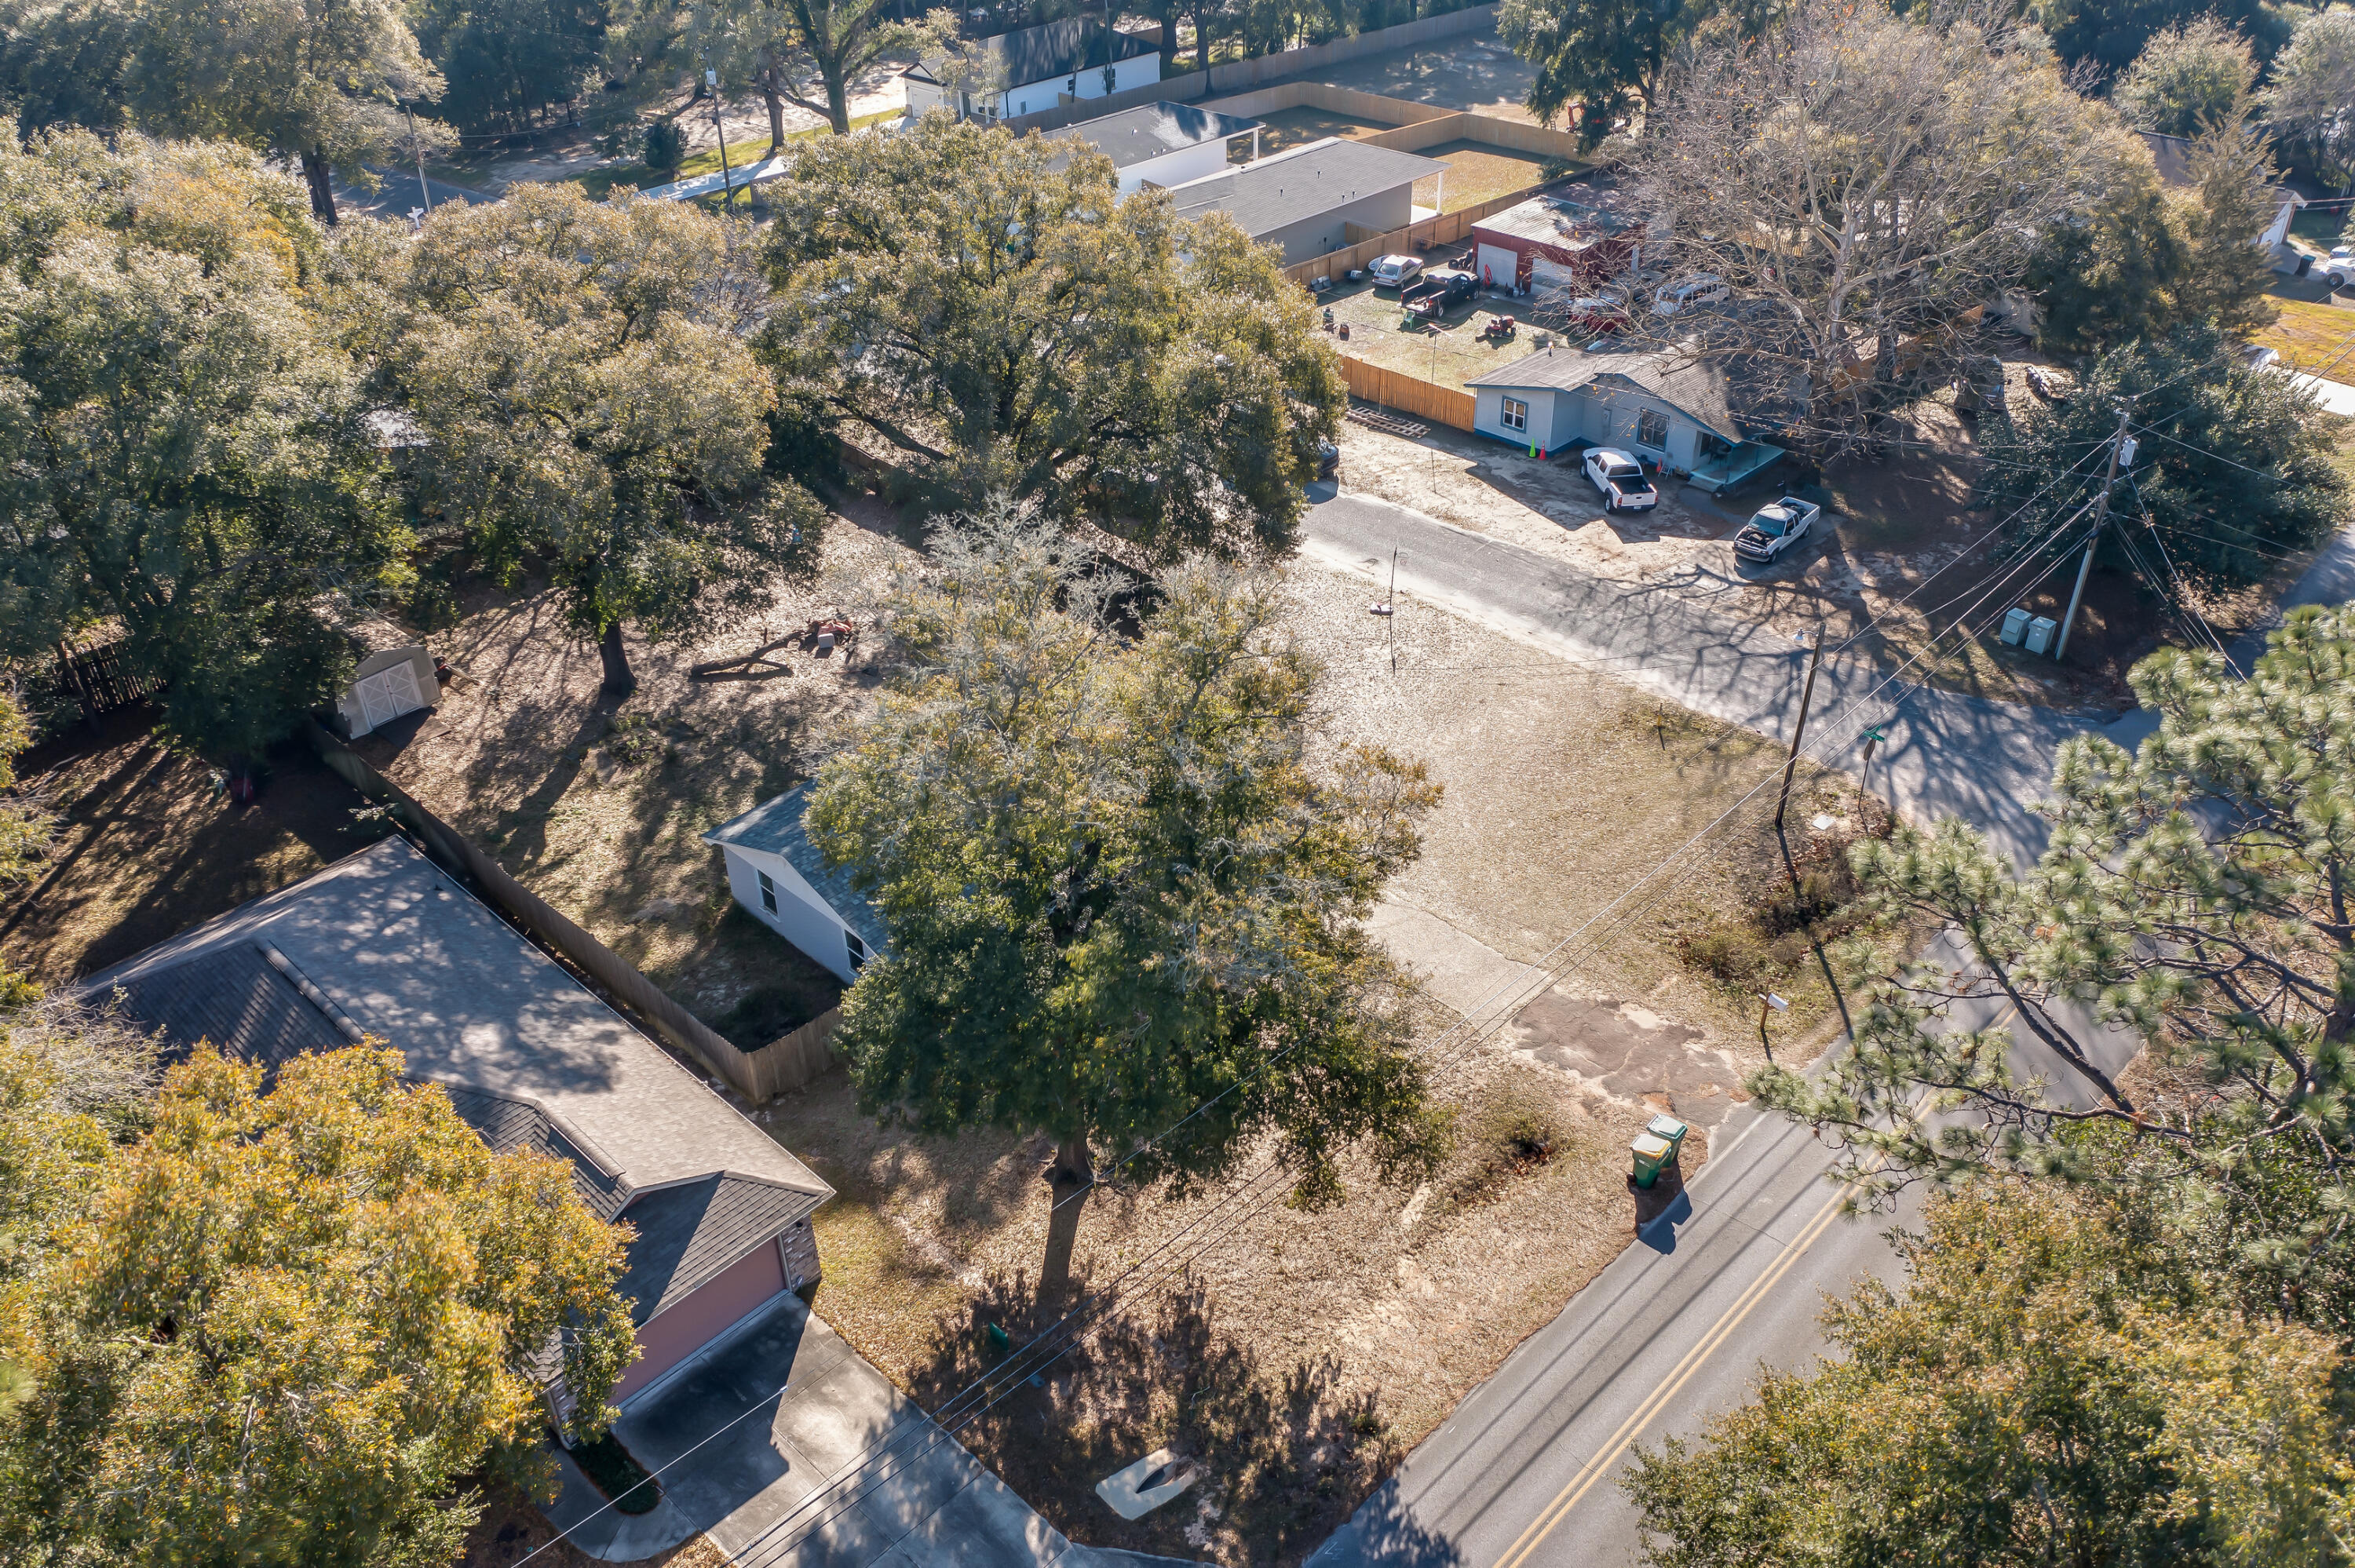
(1689, 413)
(780, 877)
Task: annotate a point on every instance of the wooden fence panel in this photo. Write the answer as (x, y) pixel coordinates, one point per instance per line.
(1447, 228)
(1450, 406)
(100, 680)
(790, 1061)
(622, 981)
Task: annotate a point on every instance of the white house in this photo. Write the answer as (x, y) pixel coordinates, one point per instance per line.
(1164, 144)
(1674, 408)
(778, 876)
(1038, 68)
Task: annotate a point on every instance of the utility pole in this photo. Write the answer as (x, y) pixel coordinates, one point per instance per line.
(2119, 447)
(719, 129)
(419, 148)
(1799, 732)
(1872, 738)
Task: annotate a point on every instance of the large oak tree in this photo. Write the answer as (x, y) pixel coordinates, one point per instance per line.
(986, 313)
(1122, 879)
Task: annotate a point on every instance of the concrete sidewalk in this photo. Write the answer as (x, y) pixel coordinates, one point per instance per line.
(838, 1469)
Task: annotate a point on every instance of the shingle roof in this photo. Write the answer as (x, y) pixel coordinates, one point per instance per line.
(775, 826)
(1303, 182)
(1051, 50)
(235, 999)
(506, 1123)
(1720, 392)
(1134, 135)
(688, 1234)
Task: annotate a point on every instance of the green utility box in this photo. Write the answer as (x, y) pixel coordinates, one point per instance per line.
(1653, 1153)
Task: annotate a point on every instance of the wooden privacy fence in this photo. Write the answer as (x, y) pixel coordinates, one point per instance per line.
(792, 1060)
(100, 680)
(620, 979)
(1447, 228)
(1512, 135)
(1408, 394)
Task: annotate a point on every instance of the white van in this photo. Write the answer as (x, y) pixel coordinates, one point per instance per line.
(1701, 288)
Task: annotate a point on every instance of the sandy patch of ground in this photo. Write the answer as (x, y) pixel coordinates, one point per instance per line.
(1298, 126)
(1470, 72)
(1476, 172)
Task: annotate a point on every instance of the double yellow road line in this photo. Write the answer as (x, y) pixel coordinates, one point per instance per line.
(1595, 1469)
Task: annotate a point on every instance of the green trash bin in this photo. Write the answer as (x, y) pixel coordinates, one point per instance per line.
(1669, 1128)
(1653, 1153)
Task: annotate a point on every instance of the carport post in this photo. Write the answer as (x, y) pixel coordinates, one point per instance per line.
(1799, 731)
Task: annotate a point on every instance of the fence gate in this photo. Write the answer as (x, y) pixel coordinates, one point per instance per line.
(100, 679)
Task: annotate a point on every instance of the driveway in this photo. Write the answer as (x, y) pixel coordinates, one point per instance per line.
(838, 1469)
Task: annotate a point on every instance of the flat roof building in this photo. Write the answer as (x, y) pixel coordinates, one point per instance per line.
(1305, 199)
(1164, 144)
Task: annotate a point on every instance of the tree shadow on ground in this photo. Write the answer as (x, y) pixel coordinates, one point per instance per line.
(1062, 1400)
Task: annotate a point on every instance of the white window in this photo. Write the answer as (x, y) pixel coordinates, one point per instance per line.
(1516, 413)
(858, 948)
(768, 893)
(1651, 429)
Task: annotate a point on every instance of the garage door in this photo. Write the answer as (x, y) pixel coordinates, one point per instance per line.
(387, 694)
(1551, 277)
(672, 1336)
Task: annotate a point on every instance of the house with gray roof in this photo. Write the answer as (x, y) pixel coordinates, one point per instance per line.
(386, 944)
(782, 881)
(1164, 144)
(1037, 68)
(1306, 199)
(1677, 408)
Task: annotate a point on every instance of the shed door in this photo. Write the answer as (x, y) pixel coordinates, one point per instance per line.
(1545, 276)
(387, 694)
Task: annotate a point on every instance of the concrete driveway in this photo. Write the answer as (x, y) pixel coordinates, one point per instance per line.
(837, 1470)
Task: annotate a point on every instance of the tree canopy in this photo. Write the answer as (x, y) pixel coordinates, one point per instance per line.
(998, 324)
(2237, 471)
(2148, 259)
(281, 1327)
(185, 454)
(1602, 61)
(2052, 1387)
(1864, 182)
(2311, 98)
(581, 373)
(315, 83)
(2187, 78)
(1121, 879)
(2192, 893)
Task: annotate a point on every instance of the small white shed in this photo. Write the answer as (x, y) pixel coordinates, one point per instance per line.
(386, 685)
(782, 881)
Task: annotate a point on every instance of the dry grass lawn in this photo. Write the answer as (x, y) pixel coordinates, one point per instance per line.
(2313, 337)
(1476, 172)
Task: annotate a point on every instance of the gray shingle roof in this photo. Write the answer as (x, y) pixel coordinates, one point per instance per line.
(775, 826)
(528, 1056)
(1052, 50)
(1300, 184)
(687, 1236)
(1723, 393)
(1134, 135)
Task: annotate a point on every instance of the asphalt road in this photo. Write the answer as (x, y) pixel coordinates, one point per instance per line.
(1673, 1330)
(397, 193)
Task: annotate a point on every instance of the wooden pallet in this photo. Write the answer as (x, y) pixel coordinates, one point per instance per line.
(1389, 424)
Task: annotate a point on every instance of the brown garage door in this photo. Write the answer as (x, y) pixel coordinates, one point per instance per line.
(670, 1337)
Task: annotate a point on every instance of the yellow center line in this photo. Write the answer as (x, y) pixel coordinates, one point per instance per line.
(1594, 1469)
(1681, 1373)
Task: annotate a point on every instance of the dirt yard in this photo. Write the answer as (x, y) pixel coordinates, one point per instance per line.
(1470, 72)
(1445, 354)
(148, 848)
(1285, 128)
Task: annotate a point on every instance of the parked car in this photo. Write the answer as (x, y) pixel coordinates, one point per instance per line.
(1439, 291)
(1593, 317)
(2341, 268)
(1621, 479)
(1702, 289)
(1396, 271)
(1774, 527)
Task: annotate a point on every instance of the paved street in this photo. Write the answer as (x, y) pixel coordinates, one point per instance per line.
(1673, 1330)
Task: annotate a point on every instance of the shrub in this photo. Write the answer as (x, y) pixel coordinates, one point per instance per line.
(666, 145)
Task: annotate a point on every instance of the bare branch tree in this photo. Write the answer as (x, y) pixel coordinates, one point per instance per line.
(1863, 182)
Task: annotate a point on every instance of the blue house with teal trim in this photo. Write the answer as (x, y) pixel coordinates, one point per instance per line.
(782, 881)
